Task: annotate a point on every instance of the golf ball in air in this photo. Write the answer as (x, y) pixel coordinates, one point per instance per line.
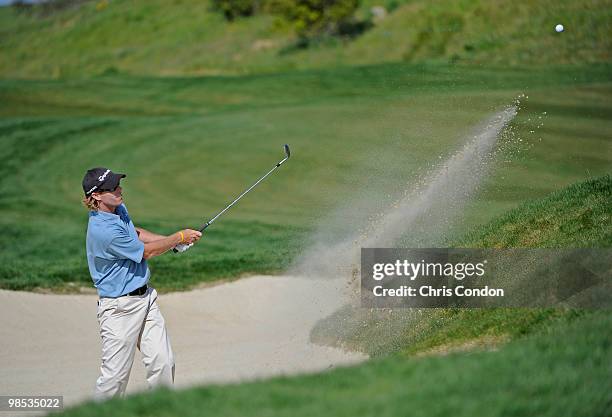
(559, 28)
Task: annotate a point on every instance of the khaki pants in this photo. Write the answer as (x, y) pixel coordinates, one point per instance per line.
(126, 323)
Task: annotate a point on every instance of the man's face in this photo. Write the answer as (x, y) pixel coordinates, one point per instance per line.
(110, 199)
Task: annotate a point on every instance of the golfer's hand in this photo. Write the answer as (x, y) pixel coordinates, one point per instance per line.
(190, 236)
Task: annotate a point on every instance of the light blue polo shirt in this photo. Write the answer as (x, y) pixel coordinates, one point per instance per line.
(114, 253)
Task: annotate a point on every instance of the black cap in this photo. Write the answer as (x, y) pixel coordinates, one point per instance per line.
(100, 179)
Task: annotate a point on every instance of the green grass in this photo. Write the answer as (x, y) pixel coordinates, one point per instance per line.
(123, 95)
(158, 37)
(577, 216)
(189, 145)
(381, 332)
(564, 370)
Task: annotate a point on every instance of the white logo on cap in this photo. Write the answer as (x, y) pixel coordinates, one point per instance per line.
(92, 188)
(103, 176)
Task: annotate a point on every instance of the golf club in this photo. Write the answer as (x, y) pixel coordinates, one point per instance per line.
(208, 223)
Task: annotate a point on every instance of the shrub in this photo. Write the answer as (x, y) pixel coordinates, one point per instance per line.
(311, 18)
(232, 9)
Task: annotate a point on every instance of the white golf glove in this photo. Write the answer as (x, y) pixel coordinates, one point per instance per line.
(182, 247)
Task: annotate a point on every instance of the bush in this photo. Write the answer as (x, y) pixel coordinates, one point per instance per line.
(236, 8)
(312, 18)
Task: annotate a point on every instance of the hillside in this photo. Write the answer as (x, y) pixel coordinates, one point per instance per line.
(156, 37)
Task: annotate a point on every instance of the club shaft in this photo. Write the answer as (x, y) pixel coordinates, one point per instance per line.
(208, 223)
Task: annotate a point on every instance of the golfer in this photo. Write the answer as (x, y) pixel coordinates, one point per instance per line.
(128, 313)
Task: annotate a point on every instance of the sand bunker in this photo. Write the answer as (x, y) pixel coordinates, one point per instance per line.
(252, 328)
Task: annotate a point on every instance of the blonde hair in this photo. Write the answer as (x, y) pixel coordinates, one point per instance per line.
(91, 203)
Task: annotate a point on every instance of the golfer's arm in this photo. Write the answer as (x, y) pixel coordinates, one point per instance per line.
(146, 237)
(159, 246)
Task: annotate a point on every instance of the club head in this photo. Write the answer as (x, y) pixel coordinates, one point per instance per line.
(287, 151)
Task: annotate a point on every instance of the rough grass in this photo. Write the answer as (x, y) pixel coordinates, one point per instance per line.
(577, 216)
(157, 37)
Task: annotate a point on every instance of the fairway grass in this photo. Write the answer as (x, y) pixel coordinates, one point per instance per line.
(189, 146)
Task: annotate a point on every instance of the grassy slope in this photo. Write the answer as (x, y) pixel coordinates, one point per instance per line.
(158, 37)
(578, 216)
(557, 364)
(180, 141)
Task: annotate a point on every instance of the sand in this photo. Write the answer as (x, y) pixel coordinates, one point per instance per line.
(255, 327)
